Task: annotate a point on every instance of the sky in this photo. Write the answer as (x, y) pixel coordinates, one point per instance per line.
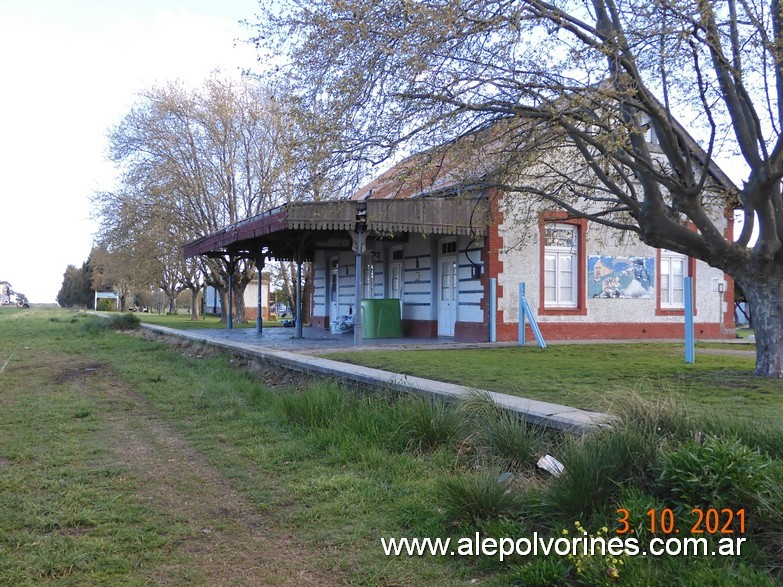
(70, 72)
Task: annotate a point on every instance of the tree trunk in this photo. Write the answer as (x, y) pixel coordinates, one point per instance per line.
(195, 303)
(765, 298)
(223, 304)
(239, 302)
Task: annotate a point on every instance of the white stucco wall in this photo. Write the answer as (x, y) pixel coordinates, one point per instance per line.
(521, 263)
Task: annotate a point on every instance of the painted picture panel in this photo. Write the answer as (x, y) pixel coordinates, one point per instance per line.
(620, 277)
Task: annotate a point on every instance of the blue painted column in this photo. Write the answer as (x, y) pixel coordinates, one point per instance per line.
(299, 304)
(259, 318)
(229, 313)
(357, 302)
(521, 334)
(690, 347)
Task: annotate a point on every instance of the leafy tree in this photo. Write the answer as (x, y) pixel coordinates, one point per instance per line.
(588, 79)
(76, 290)
(143, 250)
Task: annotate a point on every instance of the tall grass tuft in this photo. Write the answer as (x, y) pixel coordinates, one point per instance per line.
(596, 466)
(429, 423)
(375, 420)
(318, 405)
(664, 416)
(765, 435)
(479, 407)
(474, 497)
(511, 442)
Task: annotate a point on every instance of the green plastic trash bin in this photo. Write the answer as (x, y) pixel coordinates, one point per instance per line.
(381, 318)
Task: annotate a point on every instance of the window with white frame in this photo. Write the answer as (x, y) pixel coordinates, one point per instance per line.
(674, 270)
(560, 265)
(396, 270)
(369, 280)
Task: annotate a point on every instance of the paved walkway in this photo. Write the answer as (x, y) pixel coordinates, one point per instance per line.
(279, 346)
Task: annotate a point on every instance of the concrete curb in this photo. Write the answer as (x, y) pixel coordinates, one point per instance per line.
(538, 412)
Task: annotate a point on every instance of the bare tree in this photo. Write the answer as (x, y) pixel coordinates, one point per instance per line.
(201, 159)
(592, 79)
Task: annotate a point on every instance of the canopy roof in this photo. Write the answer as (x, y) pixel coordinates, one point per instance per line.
(295, 230)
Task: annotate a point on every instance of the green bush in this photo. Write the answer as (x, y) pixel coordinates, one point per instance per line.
(717, 473)
(93, 325)
(125, 321)
(766, 435)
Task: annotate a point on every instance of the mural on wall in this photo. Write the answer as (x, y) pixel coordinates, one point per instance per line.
(621, 277)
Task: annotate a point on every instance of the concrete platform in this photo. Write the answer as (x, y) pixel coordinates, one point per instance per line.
(279, 347)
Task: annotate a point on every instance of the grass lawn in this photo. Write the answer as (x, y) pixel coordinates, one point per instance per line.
(590, 376)
(125, 461)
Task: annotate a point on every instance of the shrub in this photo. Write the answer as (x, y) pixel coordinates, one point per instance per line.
(125, 321)
(94, 325)
(718, 473)
(766, 435)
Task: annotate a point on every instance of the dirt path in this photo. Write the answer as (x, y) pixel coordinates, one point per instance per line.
(229, 542)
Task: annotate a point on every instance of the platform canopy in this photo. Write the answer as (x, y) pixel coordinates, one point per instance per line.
(295, 231)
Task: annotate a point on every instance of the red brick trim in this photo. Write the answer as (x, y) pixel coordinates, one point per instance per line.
(615, 331)
(319, 321)
(471, 332)
(420, 328)
(490, 256)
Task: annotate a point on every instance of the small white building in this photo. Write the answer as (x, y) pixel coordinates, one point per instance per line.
(213, 306)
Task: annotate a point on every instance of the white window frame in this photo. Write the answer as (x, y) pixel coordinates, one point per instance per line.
(670, 282)
(368, 287)
(560, 259)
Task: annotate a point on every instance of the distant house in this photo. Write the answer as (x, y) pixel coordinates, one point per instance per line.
(417, 235)
(6, 291)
